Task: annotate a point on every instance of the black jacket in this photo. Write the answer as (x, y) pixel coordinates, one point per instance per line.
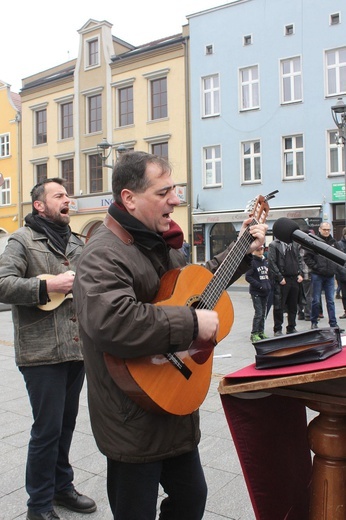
(258, 277)
(320, 264)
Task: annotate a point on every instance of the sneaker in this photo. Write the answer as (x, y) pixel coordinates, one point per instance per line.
(337, 296)
(314, 326)
(278, 333)
(255, 337)
(263, 336)
(343, 316)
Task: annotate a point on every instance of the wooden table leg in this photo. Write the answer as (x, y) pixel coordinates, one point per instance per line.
(327, 438)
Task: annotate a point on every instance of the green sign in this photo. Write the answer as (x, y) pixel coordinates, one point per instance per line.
(338, 192)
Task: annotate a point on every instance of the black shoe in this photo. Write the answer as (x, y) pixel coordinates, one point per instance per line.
(314, 326)
(278, 333)
(301, 316)
(293, 331)
(75, 501)
(343, 316)
(48, 515)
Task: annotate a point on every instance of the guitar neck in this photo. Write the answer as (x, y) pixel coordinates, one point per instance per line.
(220, 281)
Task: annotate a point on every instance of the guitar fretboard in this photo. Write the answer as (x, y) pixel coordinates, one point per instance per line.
(211, 294)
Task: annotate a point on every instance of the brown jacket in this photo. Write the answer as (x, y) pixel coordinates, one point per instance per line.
(114, 286)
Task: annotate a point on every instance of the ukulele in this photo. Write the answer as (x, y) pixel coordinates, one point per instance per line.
(178, 383)
(55, 299)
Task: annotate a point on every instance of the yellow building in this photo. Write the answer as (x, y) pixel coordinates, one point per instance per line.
(10, 166)
(114, 95)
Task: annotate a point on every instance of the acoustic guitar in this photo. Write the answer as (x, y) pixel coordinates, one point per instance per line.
(55, 299)
(178, 383)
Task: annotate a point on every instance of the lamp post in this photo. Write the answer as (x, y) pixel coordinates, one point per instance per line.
(104, 150)
(339, 117)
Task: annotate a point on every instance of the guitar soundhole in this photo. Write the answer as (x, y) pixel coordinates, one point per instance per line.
(193, 301)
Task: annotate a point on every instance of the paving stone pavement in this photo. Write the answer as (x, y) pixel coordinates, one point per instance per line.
(227, 497)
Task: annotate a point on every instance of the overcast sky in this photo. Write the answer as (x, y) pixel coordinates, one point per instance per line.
(37, 34)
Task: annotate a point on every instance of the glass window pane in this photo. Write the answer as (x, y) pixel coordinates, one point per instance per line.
(299, 141)
(334, 163)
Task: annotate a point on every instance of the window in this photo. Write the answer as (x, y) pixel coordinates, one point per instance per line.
(336, 71)
(249, 83)
(251, 161)
(41, 126)
(160, 149)
(212, 165)
(293, 157)
(67, 175)
(95, 113)
(289, 29)
(66, 113)
(93, 53)
(291, 78)
(125, 104)
(41, 172)
(6, 192)
(4, 145)
(211, 95)
(158, 98)
(334, 19)
(95, 174)
(209, 49)
(336, 155)
(247, 39)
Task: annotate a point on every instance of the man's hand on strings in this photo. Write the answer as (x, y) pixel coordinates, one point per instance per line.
(258, 232)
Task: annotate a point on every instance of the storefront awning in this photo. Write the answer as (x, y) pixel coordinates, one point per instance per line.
(238, 216)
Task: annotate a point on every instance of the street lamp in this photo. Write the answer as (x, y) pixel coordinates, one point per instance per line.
(104, 150)
(339, 117)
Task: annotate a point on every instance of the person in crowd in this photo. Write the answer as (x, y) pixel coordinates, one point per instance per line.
(48, 351)
(259, 288)
(323, 272)
(338, 295)
(304, 302)
(286, 273)
(114, 294)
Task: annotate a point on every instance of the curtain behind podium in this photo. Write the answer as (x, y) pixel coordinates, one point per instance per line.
(270, 436)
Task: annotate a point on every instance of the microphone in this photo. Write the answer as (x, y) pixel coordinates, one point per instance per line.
(287, 231)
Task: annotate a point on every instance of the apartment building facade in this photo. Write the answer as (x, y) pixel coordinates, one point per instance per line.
(10, 159)
(79, 116)
(264, 76)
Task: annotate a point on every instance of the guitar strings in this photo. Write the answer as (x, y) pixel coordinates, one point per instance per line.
(225, 271)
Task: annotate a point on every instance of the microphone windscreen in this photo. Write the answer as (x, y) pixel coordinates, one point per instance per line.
(283, 229)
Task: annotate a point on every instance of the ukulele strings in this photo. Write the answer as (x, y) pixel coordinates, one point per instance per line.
(225, 271)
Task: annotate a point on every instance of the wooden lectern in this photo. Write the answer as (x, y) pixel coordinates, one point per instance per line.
(323, 390)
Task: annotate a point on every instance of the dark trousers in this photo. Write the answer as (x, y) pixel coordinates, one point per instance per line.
(133, 488)
(260, 307)
(54, 396)
(289, 303)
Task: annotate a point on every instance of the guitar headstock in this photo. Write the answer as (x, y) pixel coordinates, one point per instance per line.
(258, 208)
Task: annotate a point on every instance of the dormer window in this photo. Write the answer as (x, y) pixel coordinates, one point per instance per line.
(335, 19)
(247, 39)
(93, 56)
(289, 29)
(209, 49)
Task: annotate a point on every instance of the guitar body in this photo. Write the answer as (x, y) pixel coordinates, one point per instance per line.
(178, 383)
(154, 382)
(55, 299)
